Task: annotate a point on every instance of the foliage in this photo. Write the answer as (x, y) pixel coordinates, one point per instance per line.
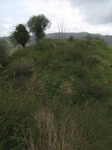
(3, 53)
(37, 25)
(71, 38)
(20, 35)
(27, 123)
(19, 72)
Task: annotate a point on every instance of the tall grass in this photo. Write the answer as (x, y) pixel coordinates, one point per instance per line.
(26, 123)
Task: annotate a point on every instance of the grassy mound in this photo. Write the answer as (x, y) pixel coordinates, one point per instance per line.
(57, 95)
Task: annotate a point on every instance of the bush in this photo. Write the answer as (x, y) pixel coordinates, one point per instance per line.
(19, 72)
(3, 53)
(71, 39)
(16, 108)
(93, 60)
(20, 68)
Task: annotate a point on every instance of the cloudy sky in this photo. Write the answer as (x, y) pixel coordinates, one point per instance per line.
(94, 16)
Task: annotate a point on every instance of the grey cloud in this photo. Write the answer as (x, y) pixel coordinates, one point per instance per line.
(95, 11)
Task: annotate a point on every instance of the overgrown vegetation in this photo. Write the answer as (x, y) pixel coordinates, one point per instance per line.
(3, 53)
(57, 95)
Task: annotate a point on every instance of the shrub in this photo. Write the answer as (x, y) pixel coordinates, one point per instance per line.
(71, 39)
(3, 53)
(20, 68)
(15, 110)
(99, 92)
(19, 72)
(93, 60)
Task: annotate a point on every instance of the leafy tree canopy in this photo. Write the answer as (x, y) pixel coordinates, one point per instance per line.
(20, 35)
(38, 25)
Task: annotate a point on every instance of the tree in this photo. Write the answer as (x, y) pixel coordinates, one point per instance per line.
(61, 29)
(20, 35)
(37, 25)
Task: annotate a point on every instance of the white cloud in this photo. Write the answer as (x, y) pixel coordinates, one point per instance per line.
(6, 25)
(56, 11)
(77, 17)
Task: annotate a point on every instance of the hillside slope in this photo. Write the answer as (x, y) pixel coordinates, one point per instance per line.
(80, 63)
(57, 94)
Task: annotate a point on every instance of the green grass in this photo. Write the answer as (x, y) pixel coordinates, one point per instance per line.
(57, 95)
